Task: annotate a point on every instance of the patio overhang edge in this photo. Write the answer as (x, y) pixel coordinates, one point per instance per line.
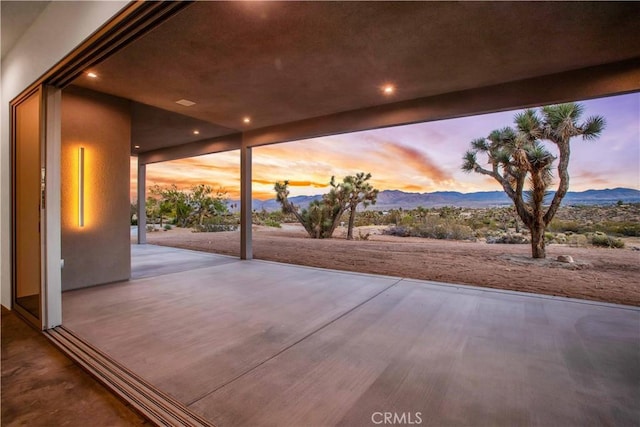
(192, 149)
(585, 83)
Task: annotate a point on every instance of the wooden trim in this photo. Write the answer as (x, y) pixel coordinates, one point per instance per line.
(29, 317)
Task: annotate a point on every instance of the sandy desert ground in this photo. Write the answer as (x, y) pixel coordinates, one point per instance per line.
(609, 275)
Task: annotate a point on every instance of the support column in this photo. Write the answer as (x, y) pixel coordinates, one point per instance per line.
(142, 200)
(246, 243)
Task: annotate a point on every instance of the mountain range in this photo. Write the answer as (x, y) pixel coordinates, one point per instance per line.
(394, 199)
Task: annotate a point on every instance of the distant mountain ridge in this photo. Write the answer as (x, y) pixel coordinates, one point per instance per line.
(394, 199)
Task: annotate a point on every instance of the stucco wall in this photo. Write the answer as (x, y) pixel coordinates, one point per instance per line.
(99, 251)
(57, 31)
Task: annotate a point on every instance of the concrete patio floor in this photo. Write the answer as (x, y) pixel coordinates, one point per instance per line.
(247, 343)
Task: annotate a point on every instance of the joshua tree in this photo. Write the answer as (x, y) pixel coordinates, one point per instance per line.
(320, 219)
(358, 190)
(517, 154)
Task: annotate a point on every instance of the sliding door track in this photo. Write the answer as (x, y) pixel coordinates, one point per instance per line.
(151, 403)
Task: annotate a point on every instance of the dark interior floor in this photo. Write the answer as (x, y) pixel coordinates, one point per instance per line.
(30, 303)
(41, 387)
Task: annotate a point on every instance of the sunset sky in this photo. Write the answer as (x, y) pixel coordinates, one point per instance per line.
(423, 157)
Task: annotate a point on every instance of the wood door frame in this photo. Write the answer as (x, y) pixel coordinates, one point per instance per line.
(35, 321)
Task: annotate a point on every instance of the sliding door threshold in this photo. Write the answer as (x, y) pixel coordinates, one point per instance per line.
(156, 406)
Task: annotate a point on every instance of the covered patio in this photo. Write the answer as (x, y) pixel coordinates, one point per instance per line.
(248, 342)
(233, 342)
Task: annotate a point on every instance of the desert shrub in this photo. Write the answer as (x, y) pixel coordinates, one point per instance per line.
(631, 229)
(560, 226)
(216, 224)
(577, 240)
(605, 241)
(434, 228)
(363, 236)
(481, 223)
(272, 223)
(407, 220)
(369, 218)
(508, 238)
(397, 230)
(573, 226)
(560, 238)
(429, 230)
(167, 227)
(259, 217)
(392, 217)
(449, 212)
(556, 237)
(213, 228)
(262, 217)
(277, 216)
(461, 232)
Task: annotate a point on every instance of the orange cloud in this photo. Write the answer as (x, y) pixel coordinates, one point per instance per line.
(263, 181)
(308, 184)
(316, 157)
(411, 188)
(591, 177)
(490, 181)
(416, 160)
(263, 195)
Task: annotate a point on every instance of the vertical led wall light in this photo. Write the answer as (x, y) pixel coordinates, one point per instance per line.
(81, 186)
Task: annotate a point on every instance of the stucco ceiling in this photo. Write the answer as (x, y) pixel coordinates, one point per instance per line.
(279, 62)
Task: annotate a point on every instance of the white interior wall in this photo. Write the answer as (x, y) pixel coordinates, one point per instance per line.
(57, 31)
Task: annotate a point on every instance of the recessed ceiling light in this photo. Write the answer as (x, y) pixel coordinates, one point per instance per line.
(388, 89)
(196, 132)
(136, 146)
(246, 120)
(185, 102)
(92, 75)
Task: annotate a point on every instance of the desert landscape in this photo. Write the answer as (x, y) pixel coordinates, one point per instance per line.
(597, 274)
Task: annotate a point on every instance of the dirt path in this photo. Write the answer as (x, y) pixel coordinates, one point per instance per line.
(610, 275)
